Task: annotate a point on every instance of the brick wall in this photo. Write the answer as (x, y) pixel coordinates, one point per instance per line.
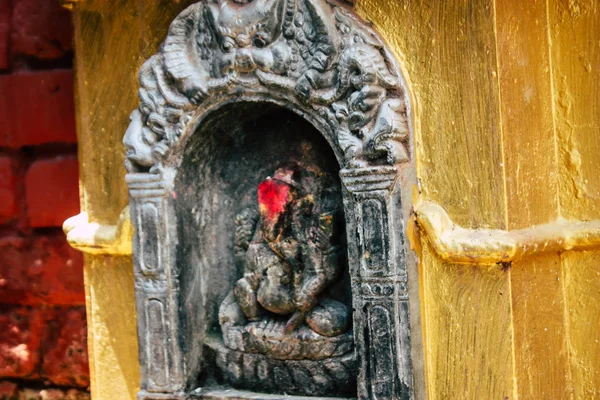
(43, 346)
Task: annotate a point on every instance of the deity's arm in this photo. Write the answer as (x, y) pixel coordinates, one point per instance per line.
(319, 273)
(245, 288)
(245, 230)
(321, 268)
(245, 291)
(287, 249)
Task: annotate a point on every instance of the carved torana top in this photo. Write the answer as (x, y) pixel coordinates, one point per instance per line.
(307, 54)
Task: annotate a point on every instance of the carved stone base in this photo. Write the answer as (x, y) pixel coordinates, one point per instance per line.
(268, 337)
(144, 395)
(233, 394)
(298, 377)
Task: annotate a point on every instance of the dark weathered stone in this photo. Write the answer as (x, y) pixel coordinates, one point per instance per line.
(308, 54)
(305, 377)
(236, 288)
(290, 263)
(268, 337)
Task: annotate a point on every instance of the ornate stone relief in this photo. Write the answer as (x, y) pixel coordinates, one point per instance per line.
(312, 53)
(282, 324)
(284, 312)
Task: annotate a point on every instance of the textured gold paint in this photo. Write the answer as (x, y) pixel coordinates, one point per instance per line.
(106, 46)
(541, 355)
(527, 117)
(448, 50)
(469, 339)
(112, 337)
(575, 39)
(582, 284)
(107, 43)
(540, 341)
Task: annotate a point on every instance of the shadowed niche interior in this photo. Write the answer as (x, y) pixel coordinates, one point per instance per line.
(265, 288)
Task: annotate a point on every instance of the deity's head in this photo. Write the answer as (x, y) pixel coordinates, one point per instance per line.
(275, 195)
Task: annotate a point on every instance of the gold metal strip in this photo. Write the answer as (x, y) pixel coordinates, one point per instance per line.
(94, 238)
(456, 244)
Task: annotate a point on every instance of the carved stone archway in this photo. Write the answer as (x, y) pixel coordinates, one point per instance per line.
(317, 59)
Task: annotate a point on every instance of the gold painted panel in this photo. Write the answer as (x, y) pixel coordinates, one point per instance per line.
(448, 51)
(582, 287)
(575, 44)
(540, 345)
(527, 114)
(112, 338)
(468, 330)
(541, 355)
(107, 43)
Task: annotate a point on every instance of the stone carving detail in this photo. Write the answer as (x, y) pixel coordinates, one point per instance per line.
(380, 334)
(286, 324)
(285, 307)
(373, 249)
(310, 53)
(149, 222)
(380, 289)
(334, 376)
(157, 351)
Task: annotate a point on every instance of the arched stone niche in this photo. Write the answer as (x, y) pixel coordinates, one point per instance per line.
(238, 88)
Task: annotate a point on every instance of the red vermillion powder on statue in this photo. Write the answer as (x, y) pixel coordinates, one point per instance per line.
(272, 197)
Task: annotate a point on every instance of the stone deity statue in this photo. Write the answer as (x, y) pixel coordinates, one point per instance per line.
(283, 306)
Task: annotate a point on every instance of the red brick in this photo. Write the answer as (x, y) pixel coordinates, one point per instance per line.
(5, 11)
(52, 191)
(8, 390)
(37, 108)
(56, 271)
(65, 360)
(40, 28)
(20, 341)
(8, 200)
(14, 280)
(40, 270)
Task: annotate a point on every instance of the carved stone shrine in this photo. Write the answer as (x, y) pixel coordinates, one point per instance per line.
(262, 166)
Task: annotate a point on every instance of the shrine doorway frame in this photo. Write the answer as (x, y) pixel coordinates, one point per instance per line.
(376, 207)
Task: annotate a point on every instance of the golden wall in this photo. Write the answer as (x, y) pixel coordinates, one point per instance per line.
(506, 99)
